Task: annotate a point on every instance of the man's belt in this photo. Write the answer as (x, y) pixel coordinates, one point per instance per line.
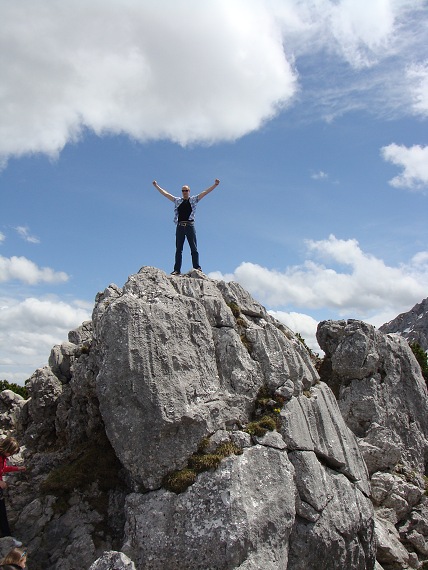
(187, 223)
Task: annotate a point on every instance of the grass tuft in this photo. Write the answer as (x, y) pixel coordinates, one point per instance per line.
(179, 481)
(266, 414)
(234, 307)
(260, 427)
(246, 342)
(204, 461)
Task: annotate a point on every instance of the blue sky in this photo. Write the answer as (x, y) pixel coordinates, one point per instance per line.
(312, 113)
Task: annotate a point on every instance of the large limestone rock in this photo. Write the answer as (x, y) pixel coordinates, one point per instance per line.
(239, 516)
(174, 367)
(169, 366)
(381, 392)
(383, 399)
(217, 348)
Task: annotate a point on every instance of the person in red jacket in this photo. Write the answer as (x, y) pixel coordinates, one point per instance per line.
(8, 446)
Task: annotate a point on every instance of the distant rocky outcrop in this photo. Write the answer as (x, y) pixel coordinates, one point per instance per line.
(185, 428)
(383, 399)
(412, 325)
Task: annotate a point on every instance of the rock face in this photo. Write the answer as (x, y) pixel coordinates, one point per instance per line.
(170, 371)
(383, 399)
(241, 516)
(113, 561)
(412, 325)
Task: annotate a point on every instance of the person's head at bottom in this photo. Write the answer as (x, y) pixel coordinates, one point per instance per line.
(15, 558)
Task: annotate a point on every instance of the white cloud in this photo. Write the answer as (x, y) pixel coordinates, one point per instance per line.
(38, 315)
(149, 70)
(30, 328)
(219, 276)
(362, 30)
(22, 269)
(25, 234)
(418, 76)
(300, 323)
(319, 175)
(142, 68)
(352, 284)
(413, 160)
(354, 56)
(2, 237)
(361, 33)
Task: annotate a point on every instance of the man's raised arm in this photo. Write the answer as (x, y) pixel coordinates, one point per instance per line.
(163, 192)
(208, 190)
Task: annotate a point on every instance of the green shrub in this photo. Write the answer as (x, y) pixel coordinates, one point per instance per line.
(421, 357)
(21, 390)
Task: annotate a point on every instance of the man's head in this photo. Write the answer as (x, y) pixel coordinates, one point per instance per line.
(185, 191)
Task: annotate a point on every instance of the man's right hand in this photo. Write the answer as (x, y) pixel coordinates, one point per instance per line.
(3, 484)
(155, 183)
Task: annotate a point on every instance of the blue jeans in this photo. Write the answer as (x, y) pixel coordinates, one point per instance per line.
(182, 232)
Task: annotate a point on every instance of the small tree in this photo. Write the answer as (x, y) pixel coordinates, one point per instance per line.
(421, 357)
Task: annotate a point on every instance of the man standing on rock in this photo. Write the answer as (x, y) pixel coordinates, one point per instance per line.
(184, 217)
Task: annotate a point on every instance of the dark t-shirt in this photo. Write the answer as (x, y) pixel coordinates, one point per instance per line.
(184, 211)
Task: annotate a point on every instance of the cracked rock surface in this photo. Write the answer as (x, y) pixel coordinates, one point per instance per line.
(170, 370)
(383, 399)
